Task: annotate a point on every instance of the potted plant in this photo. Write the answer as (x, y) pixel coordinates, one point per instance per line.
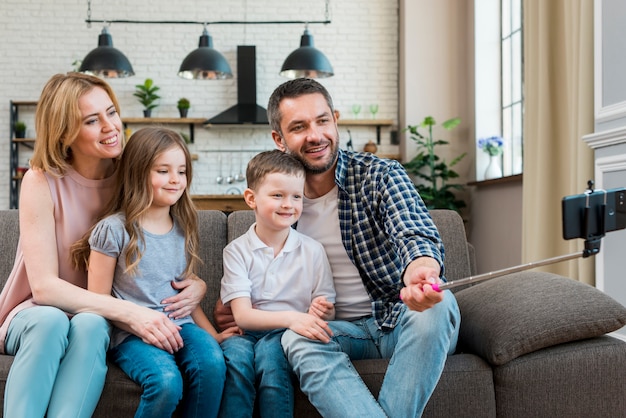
(146, 93)
(183, 107)
(20, 129)
(434, 172)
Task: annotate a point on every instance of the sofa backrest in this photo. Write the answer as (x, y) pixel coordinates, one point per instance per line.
(9, 236)
(213, 239)
(449, 223)
(216, 230)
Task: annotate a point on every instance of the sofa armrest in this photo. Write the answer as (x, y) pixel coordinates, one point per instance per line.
(516, 314)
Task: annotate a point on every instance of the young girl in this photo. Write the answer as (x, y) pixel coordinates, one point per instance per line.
(147, 240)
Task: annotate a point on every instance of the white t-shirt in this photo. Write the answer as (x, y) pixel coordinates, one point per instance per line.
(320, 221)
(287, 282)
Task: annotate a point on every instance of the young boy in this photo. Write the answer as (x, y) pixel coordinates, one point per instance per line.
(274, 279)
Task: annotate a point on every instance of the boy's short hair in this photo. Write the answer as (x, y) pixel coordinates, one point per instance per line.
(268, 162)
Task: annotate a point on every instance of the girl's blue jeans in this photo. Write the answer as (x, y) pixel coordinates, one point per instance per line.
(417, 348)
(59, 366)
(196, 373)
(256, 365)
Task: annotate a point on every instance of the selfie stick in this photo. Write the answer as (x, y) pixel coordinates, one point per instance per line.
(498, 273)
(592, 247)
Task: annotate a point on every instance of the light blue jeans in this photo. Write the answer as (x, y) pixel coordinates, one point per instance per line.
(417, 348)
(256, 360)
(59, 365)
(160, 374)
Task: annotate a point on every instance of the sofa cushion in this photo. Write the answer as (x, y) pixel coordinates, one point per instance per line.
(510, 316)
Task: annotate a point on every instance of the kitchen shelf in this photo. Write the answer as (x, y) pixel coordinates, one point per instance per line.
(191, 122)
(14, 151)
(378, 123)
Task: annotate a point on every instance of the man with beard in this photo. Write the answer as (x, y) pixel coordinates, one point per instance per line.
(385, 253)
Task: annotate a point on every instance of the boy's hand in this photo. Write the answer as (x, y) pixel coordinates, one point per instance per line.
(227, 333)
(322, 309)
(310, 326)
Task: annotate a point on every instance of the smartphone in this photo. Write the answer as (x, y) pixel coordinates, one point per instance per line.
(592, 214)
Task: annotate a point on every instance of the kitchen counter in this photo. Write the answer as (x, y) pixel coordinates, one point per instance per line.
(223, 202)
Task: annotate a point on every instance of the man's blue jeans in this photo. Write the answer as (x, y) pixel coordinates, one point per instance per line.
(256, 359)
(417, 348)
(160, 374)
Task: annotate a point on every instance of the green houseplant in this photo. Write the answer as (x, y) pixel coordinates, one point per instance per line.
(146, 93)
(183, 106)
(432, 172)
(20, 129)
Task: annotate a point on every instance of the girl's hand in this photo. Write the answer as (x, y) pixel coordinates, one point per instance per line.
(192, 291)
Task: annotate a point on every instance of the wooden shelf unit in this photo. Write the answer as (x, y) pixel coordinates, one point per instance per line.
(14, 151)
(191, 122)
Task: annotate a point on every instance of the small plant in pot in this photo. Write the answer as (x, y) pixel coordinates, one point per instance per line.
(146, 93)
(20, 129)
(183, 107)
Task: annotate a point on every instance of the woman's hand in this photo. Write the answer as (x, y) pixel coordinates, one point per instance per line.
(192, 291)
(153, 328)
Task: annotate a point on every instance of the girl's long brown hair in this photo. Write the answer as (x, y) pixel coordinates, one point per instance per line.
(133, 197)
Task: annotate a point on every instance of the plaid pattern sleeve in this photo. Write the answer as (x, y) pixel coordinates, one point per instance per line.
(384, 226)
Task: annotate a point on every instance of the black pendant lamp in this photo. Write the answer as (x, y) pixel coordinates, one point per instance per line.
(106, 61)
(306, 61)
(205, 63)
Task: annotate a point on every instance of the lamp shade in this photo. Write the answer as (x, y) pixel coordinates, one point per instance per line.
(306, 61)
(205, 63)
(106, 61)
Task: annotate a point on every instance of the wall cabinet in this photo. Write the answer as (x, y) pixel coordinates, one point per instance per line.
(16, 172)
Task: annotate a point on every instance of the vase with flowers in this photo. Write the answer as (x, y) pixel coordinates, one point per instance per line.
(493, 147)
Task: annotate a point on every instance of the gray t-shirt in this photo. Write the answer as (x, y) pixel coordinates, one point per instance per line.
(163, 260)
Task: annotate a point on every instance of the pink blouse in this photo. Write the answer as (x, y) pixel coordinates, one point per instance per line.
(77, 204)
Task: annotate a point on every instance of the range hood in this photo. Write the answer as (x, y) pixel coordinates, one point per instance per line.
(246, 111)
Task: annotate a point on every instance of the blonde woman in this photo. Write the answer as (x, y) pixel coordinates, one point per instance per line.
(50, 322)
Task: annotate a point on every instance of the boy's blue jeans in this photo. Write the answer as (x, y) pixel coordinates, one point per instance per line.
(256, 360)
(417, 348)
(160, 374)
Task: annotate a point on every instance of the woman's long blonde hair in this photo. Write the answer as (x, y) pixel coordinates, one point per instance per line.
(133, 197)
(58, 119)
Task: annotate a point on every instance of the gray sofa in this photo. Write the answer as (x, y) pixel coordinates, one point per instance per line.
(531, 344)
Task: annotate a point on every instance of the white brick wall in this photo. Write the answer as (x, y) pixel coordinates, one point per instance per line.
(41, 38)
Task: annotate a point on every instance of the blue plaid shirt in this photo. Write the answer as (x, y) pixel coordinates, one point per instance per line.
(384, 226)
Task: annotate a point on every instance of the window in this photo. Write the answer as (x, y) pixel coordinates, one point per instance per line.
(499, 105)
(512, 79)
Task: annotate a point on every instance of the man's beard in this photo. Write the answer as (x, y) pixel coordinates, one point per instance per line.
(313, 169)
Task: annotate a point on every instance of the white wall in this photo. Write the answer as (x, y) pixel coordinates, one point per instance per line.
(437, 76)
(41, 38)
